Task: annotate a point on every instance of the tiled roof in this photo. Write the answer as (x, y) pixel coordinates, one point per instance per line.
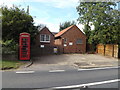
(54, 33)
(63, 31)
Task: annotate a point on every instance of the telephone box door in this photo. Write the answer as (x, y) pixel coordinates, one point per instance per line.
(24, 46)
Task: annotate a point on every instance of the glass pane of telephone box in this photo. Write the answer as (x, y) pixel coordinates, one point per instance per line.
(24, 39)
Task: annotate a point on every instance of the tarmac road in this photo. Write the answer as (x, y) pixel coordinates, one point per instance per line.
(61, 78)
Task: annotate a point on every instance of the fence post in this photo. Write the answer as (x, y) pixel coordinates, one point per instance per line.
(118, 51)
(104, 48)
(97, 48)
(113, 51)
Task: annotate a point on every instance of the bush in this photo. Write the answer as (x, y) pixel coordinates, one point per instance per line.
(9, 47)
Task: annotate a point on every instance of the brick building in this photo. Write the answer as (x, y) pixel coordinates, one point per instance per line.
(71, 40)
(44, 43)
(45, 37)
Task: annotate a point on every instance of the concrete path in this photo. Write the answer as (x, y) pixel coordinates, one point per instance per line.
(71, 61)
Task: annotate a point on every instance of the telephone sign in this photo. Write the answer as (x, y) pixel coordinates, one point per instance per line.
(24, 46)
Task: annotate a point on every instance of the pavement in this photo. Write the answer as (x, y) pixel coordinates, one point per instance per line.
(26, 64)
(70, 61)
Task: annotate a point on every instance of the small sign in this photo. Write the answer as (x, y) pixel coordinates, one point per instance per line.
(55, 50)
(42, 46)
(65, 45)
(70, 43)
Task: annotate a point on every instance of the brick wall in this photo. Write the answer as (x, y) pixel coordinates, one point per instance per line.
(37, 49)
(72, 35)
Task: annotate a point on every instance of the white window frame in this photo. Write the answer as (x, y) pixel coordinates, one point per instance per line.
(45, 40)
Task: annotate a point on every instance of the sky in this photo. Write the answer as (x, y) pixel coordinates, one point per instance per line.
(49, 12)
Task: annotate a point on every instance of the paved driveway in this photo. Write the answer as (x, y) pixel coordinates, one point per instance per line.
(73, 61)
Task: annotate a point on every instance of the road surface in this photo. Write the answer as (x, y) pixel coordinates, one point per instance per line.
(58, 79)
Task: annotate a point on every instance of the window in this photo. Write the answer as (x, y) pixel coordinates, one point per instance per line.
(65, 40)
(47, 37)
(44, 38)
(79, 41)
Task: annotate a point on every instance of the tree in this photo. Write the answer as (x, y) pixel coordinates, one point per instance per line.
(16, 21)
(105, 19)
(40, 26)
(66, 24)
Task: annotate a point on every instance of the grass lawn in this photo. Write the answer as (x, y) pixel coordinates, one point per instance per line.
(8, 64)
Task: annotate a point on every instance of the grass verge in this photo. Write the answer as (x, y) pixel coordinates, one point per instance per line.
(8, 64)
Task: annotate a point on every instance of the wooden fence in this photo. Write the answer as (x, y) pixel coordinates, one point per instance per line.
(108, 50)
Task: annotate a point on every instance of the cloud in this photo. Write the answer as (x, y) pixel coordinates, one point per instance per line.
(53, 3)
(10, 3)
(45, 18)
(60, 3)
(80, 26)
(53, 27)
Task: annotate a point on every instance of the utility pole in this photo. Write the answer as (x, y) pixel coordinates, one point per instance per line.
(28, 9)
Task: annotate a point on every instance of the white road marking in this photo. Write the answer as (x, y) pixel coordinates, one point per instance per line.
(98, 68)
(25, 72)
(88, 84)
(57, 71)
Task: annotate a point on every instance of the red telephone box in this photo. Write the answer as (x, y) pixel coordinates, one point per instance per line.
(24, 46)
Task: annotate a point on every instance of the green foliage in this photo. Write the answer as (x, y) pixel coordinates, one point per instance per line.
(105, 19)
(16, 21)
(40, 26)
(66, 24)
(9, 47)
(87, 31)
